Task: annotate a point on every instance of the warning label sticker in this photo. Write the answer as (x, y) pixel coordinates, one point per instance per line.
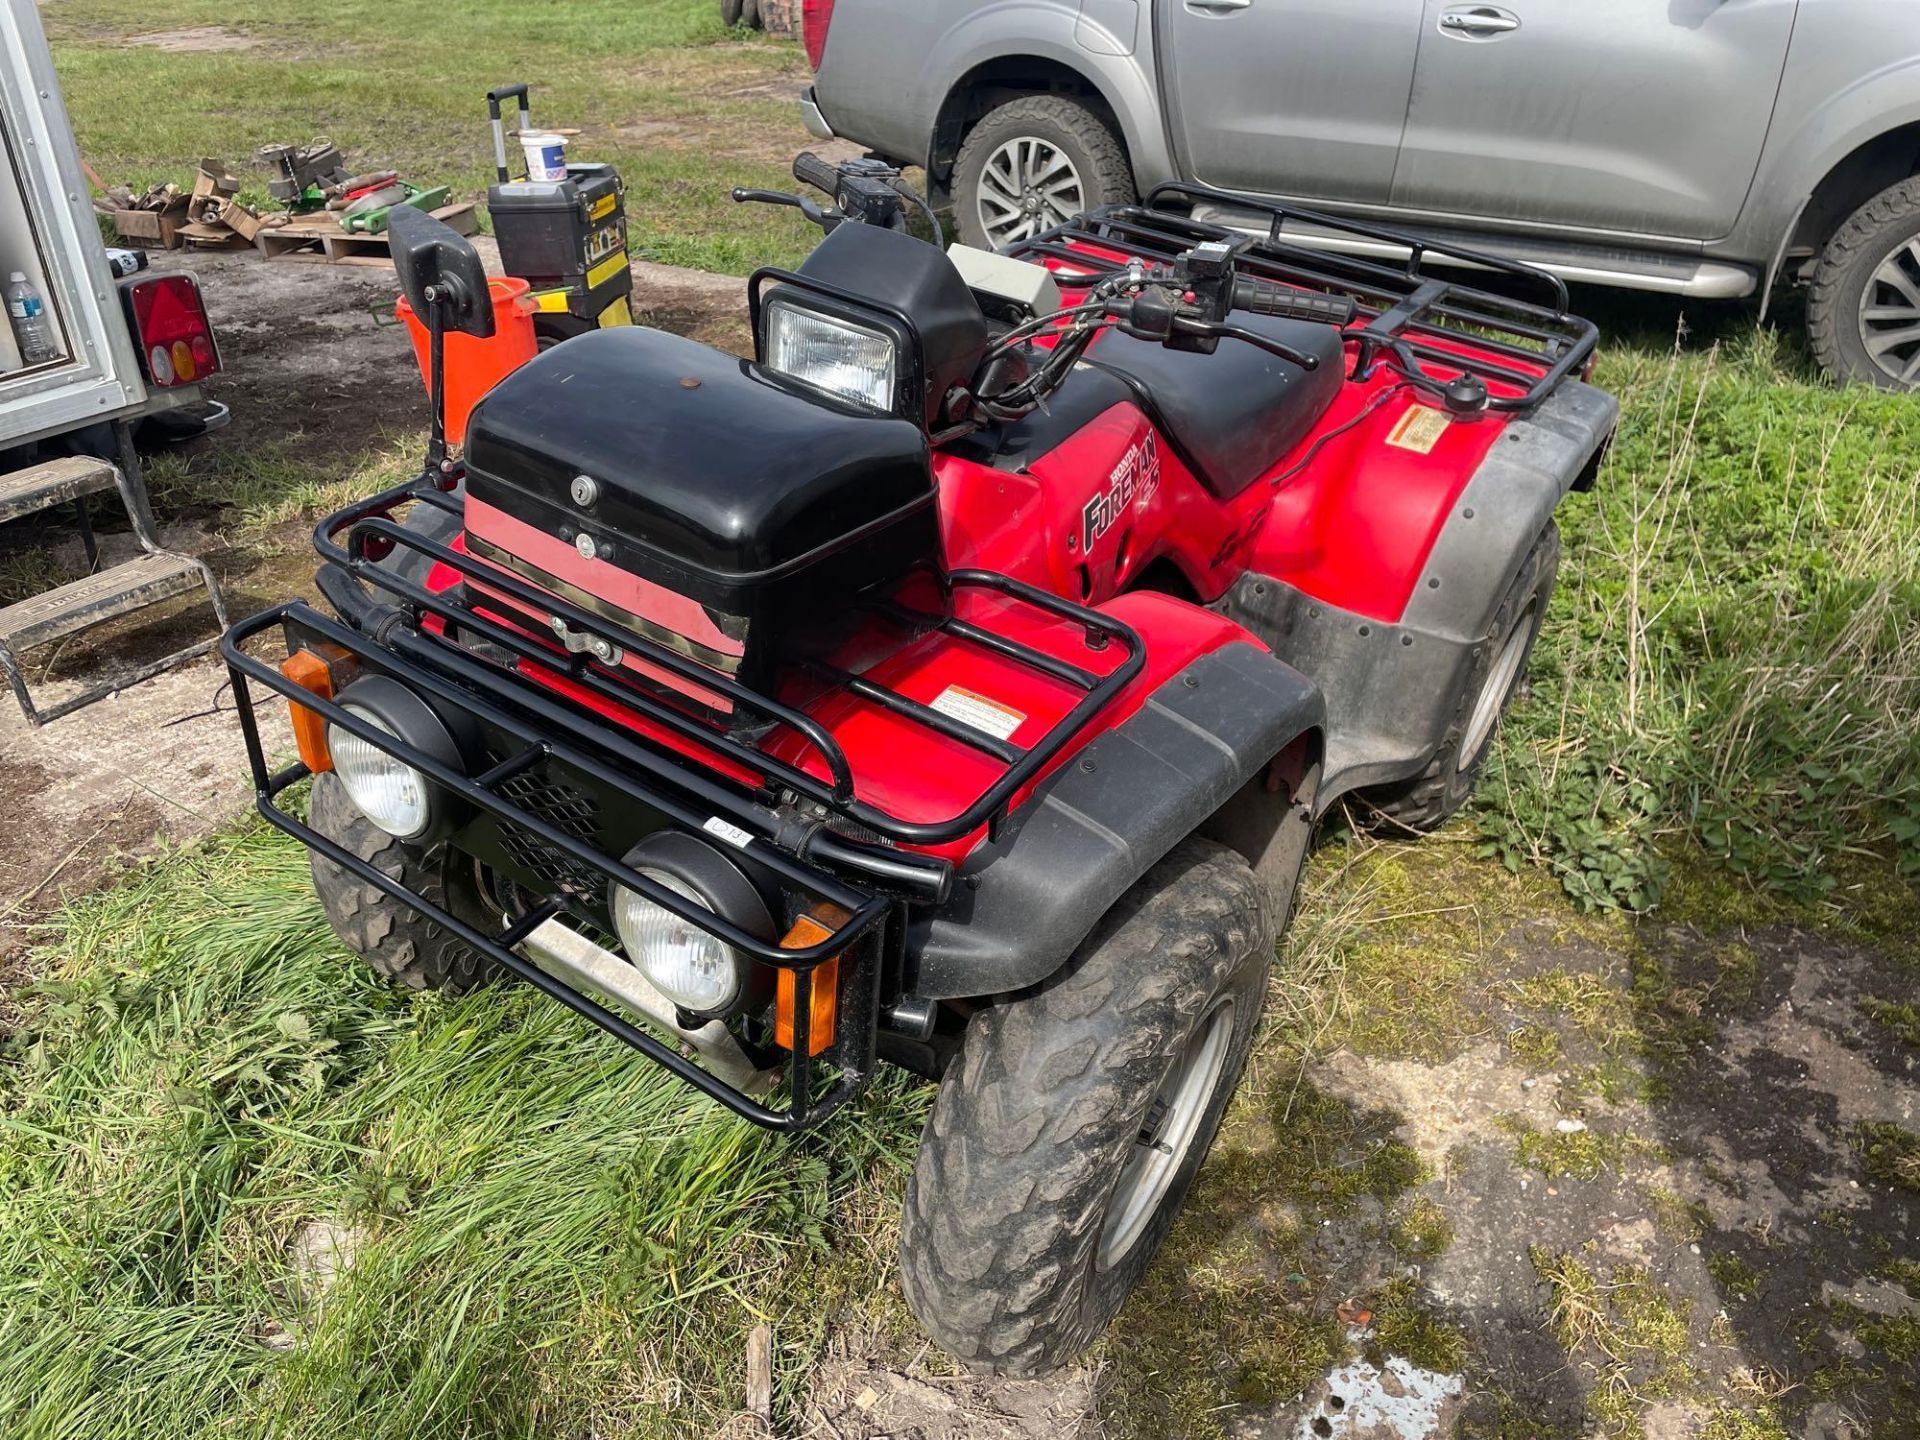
(728, 831)
(989, 717)
(1419, 430)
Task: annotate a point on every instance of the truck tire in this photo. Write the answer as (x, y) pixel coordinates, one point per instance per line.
(1430, 799)
(1032, 164)
(394, 939)
(1863, 313)
(1040, 1193)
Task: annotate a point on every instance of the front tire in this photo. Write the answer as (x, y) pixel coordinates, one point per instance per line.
(1035, 163)
(393, 938)
(1431, 798)
(1063, 1142)
(1863, 314)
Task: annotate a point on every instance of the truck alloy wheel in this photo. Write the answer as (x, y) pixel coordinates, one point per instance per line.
(1066, 1135)
(1025, 187)
(1032, 164)
(1890, 314)
(1863, 311)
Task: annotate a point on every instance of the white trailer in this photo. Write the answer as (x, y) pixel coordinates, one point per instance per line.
(126, 349)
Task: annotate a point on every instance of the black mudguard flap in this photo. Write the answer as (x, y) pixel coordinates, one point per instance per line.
(1027, 899)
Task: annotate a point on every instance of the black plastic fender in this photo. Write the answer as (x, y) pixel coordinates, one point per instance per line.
(1025, 900)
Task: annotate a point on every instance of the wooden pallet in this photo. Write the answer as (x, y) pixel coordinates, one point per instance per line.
(318, 239)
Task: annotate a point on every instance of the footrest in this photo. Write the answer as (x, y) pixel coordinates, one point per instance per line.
(98, 598)
(41, 487)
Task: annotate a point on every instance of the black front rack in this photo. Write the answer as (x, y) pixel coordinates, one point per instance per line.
(856, 940)
(1412, 318)
(461, 659)
(372, 535)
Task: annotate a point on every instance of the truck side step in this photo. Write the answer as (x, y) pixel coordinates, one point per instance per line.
(41, 487)
(104, 595)
(80, 604)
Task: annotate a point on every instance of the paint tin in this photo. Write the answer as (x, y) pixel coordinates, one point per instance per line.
(546, 155)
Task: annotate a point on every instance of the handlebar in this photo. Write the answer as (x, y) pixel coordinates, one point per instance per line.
(810, 169)
(1262, 297)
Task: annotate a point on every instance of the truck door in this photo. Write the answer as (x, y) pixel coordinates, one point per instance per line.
(1289, 97)
(1644, 117)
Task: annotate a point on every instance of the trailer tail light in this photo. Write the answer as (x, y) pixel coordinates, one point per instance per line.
(171, 328)
(313, 672)
(824, 1000)
(815, 17)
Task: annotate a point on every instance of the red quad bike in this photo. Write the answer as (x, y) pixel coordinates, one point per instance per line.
(956, 684)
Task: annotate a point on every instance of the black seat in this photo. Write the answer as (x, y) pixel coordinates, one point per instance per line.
(1233, 413)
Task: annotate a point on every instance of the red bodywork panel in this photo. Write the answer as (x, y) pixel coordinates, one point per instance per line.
(1349, 517)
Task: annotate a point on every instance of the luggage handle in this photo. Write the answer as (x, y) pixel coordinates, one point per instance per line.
(494, 97)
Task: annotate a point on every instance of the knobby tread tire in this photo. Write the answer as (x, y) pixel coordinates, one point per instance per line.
(1833, 302)
(1020, 1156)
(394, 939)
(1431, 798)
(1106, 175)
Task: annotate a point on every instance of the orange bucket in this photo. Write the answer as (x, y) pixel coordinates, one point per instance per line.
(475, 366)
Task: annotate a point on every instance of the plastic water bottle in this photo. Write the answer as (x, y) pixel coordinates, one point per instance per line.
(32, 327)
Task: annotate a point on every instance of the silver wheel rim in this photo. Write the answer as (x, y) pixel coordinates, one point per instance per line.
(1493, 694)
(1890, 315)
(1166, 1135)
(1027, 185)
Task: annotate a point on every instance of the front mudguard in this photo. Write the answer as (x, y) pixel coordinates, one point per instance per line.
(1391, 687)
(1025, 901)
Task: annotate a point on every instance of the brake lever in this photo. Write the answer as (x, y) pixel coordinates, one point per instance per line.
(1193, 326)
(825, 219)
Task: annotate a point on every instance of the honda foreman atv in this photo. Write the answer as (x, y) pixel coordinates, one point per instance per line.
(956, 684)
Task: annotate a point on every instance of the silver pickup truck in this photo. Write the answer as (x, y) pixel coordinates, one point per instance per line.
(1713, 148)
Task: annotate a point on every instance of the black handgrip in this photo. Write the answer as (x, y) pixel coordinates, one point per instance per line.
(810, 169)
(1263, 298)
(505, 92)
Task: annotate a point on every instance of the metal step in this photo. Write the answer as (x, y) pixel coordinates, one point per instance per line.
(54, 482)
(1587, 264)
(79, 604)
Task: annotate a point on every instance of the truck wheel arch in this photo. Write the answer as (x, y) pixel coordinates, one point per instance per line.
(992, 82)
(1228, 748)
(1869, 170)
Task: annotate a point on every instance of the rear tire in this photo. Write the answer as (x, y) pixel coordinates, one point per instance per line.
(1073, 154)
(393, 938)
(1034, 1205)
(1431, 798)
(1866, 289)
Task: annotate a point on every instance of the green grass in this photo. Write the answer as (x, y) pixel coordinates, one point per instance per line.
(1732, 660)
(556, 1239)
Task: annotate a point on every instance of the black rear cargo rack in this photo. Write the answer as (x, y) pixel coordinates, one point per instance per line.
(1407, 317)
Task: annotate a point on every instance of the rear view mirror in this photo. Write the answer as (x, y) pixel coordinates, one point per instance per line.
(440, 271)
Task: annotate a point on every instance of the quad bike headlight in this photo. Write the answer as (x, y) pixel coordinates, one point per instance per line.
(691, 966)
(388, 791)
(856, 362)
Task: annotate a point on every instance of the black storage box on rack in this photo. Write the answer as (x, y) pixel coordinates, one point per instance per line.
(704, 503)
(566, 236)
